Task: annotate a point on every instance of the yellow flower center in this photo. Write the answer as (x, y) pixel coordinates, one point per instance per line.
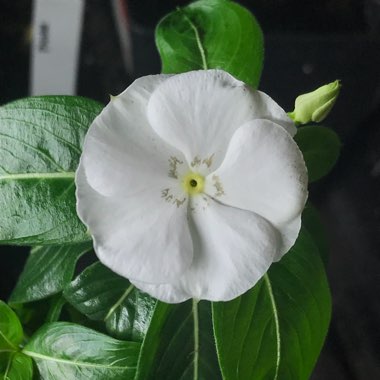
(193, 183)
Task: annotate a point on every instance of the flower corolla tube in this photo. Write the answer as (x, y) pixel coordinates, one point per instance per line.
(191, 185)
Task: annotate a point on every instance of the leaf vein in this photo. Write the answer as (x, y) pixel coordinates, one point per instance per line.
(277, 324)
(74, 363)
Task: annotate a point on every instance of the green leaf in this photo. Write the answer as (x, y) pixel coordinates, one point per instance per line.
(40, 144)
(18, 367)
(67, 351)
(55, 310)
(212, 34)
(102, 295)
(47, 271)
(13, 364)
(320, 147)
(179, 344)
(277, 329)
(311, 221)
(11, 333)
(4, 360)
(33, 315)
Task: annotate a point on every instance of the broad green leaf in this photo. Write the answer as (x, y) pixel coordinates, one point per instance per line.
(102, 295)
(40, 145)
(18, 367)
(47, 271)
(311, 221)
(320, 147)
(212, 34)
(179, 344)
(11, 333)
(277, 329)
(67, 351)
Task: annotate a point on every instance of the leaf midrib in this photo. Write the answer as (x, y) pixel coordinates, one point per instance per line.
(198, 41)
(74, 363)
(40, 176)
(277, 324)
(196, 339)
(119, 302)
(2, 335)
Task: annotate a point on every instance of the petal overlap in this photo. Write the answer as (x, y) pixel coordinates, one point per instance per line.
(233, 248)
(198, 112)
(264, 172)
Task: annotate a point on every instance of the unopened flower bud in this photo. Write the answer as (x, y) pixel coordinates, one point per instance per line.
(316, 105)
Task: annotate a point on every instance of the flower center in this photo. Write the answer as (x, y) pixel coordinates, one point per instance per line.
(193, 183)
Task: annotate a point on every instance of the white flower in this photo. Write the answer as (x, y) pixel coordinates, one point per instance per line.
(191, 185)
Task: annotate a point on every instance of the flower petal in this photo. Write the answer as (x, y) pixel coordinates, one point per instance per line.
(142, 236)
(122, 153)
(199, 111)
(263, 172)
(233, 249)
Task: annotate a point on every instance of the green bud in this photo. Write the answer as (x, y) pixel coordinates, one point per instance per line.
(316, 105)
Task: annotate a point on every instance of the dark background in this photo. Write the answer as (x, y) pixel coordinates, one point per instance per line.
(308, 43)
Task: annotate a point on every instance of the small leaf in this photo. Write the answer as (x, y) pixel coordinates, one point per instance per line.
(320, 147)
(18, 367)
(11, 333)
(47, 271)
(102, 295)
(277, 329)
(212, 34)
(40, 145)
(179, 344)
(68, 351)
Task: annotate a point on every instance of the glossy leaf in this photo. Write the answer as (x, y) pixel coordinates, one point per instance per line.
(11, 333)
(40, 146)
(320, 147)
(47, 271)
(18, 367)
(179, 344)
(102, 295)
(277, 329)
(212, 34)
(68, 351)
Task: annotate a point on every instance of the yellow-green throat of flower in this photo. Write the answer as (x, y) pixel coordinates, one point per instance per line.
(193, 183)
